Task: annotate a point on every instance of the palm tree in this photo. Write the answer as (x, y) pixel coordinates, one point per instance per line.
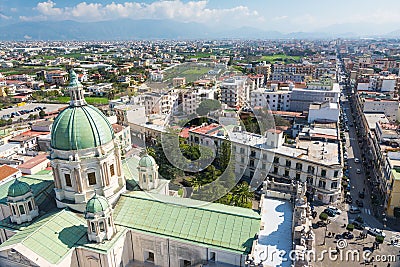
(242, 194)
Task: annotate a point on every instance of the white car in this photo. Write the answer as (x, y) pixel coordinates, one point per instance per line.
(358, 171)
(335, 209)
(376, 231)
(356, 160)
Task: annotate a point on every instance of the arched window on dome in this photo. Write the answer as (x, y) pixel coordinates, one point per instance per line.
(13, 210)
(150, 178)
(30, 206)
(109, 221)
(144, 178)
(93, 226)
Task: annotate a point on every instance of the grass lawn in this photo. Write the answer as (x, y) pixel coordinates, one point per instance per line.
(280, 57)
(89, 100)
(191, 72)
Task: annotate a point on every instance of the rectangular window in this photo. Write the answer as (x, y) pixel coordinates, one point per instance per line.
(276, 160)
(212, 256)
(185, 263)
(101, 226)
(21, 209)
(288, 163)
(299, 166)
(323, 173)
(334, 185)
(67, 177)
(150, 256)
(112, 171)
(92, 178)
(335, 174)
(286, 173)
(275, 170)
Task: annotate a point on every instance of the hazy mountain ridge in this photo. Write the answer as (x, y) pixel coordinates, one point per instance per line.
(127, 29)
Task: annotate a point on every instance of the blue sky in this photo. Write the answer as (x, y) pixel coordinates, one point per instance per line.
(283, 15)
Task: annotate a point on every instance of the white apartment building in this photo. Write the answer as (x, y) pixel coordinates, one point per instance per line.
(190, 99)
(373, 102)
(159, 103)
(272, 98)
(258, 157)
(130, 113)
(323, 112)
(286, 76)
(235, 91)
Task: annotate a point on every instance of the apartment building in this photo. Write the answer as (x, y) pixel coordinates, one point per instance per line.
(375, 102)
(272, 98)
(312, 159)
(235, 91)
(58, 77)
(320, 91)
(159, 103)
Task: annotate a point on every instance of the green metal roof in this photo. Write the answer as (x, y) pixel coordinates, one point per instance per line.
(216, 225)
(147, 161)
(80, 128)
(51, 237)
(18, 188)
(97, 204)
(41, 185)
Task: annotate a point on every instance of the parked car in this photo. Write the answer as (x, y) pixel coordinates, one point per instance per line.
(349, 199)
(376, 231)
(347, 235)
(359, 203)
(361, 195)
(354, 210)
(356, 160)
(358, 171)
(331, 213)
(335, 209)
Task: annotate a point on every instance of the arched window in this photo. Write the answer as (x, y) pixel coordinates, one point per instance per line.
(109, 221)
(21, 209)
(101, 225)
(93, 227)
(30, 206)
(150, 178)
(144, 178)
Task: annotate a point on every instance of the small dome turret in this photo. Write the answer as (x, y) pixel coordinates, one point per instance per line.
(18, 188)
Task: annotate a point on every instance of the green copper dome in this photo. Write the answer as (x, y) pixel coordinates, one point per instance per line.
(147, 161)
(18, 188)
(80, 128)
(97, 204)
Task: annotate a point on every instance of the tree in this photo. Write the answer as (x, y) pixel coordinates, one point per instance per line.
(242, 195)
(350, 227)
(323, 216)
(42, 114)
(207, 106)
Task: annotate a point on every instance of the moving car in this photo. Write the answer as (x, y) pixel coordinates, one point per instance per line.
(359, 203)
(356, 160)
(361, 195)
(358, 171)
(354, 210)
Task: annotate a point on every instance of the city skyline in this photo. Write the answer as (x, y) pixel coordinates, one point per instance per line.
(285, 17)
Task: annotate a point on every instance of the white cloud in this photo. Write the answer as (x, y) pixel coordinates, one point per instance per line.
(192, 11)
(280, 18)
(2, 16)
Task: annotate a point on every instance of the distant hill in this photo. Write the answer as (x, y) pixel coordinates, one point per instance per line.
(127, 29)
